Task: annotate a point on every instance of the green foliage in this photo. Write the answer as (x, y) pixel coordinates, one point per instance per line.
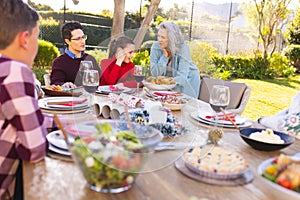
(39, 73)
(98, 54)
(252, 66)
(292, 52)
(279, 64)
(293, 31)
(201, 53)
(142, 58)
(47, 52)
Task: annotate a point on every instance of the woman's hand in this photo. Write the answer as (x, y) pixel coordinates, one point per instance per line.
(120, 55)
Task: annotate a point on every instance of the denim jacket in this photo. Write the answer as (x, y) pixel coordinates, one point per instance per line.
(185, 72)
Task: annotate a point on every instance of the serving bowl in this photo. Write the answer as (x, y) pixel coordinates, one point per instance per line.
(109, 154)
(264, 146)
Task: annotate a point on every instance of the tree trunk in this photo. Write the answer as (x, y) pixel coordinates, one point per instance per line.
(145, 24)
(118, 21)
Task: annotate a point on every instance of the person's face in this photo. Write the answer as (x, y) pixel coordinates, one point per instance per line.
(129, 52)
(33, 46)
(77, 41)
(163, 38)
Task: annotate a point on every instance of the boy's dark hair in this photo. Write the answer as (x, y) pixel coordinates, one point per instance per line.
(15, 17)
(68, 27)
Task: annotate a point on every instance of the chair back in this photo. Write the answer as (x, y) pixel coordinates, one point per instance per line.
(239, 93)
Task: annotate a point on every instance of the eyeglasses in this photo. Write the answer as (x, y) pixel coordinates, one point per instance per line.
(84, 37)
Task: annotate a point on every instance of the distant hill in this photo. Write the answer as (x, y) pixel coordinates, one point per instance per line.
(220, 14)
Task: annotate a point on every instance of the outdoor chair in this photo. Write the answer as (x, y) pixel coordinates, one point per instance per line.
(239, 93)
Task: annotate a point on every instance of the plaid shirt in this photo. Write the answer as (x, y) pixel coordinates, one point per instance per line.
(22, 134)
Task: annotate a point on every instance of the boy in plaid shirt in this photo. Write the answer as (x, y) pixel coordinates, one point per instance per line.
(22, 134)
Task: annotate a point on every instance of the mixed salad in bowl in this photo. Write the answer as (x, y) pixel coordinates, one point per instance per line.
(111, 157)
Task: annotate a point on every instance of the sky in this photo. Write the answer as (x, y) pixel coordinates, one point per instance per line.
(94, 6)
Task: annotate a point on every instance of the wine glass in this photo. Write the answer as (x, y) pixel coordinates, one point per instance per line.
(84, 65)
(90, 82)
(139, 76)
(219, 97)
(218, 100)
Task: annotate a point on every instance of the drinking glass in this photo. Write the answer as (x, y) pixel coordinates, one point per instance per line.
(90, 82)
(218, 99)
(85, 65)
(139, 76)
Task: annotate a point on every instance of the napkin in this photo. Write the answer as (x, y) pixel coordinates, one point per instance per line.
(222, 116)
(125, 99)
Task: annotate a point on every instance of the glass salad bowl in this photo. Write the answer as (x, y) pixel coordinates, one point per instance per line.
(110, 153)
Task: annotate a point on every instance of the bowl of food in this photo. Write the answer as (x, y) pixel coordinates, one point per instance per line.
(160, 83)
(266, 139)
(109, 153)
(173, 102)
(282, 173)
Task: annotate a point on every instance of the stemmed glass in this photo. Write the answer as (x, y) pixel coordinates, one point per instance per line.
(219, 97)
(139, 76)
(218, 100)
(90, 82)
(85, 65)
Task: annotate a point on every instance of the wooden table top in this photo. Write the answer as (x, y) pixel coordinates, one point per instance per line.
(58, 179)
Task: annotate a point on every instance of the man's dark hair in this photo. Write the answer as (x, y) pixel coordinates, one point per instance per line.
(68, 27)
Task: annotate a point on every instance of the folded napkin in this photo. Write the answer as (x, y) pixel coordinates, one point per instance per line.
(131, 101)
(222, 117)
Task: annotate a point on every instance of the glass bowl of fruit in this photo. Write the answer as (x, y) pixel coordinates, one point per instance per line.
(111, 153)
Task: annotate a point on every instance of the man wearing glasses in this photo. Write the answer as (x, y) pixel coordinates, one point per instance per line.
(65, 67)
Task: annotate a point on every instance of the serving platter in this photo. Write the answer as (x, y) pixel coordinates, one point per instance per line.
(49, 92)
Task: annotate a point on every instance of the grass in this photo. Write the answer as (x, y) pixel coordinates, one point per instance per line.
(269, 96)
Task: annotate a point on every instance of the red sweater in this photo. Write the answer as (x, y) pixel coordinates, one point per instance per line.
(113, 74)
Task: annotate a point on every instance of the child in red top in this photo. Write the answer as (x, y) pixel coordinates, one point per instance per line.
(119, 69)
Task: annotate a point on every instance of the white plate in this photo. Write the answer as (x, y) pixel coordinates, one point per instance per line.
(58, 150)
(106, 89)
(57, 139)
(195, 116)
(262, 168)
(152, 86)
(43, 103)
(203, 114)
(160, 93)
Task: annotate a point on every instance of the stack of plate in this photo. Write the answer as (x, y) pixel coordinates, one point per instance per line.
(57, 143)
(202, 117)
(63, 104)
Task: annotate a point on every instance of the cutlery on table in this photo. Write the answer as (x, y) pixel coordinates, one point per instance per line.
(176, 145)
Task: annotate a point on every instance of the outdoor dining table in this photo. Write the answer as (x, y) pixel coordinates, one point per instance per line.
(58, 179)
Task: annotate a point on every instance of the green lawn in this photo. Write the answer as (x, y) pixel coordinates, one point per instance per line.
(269, 96)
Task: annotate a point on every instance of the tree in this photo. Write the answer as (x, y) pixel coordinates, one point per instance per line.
(293, 30)
(118, 21)
(269, 16)
(39, 7)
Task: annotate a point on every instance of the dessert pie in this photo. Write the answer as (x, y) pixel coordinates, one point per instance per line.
(214, 162)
